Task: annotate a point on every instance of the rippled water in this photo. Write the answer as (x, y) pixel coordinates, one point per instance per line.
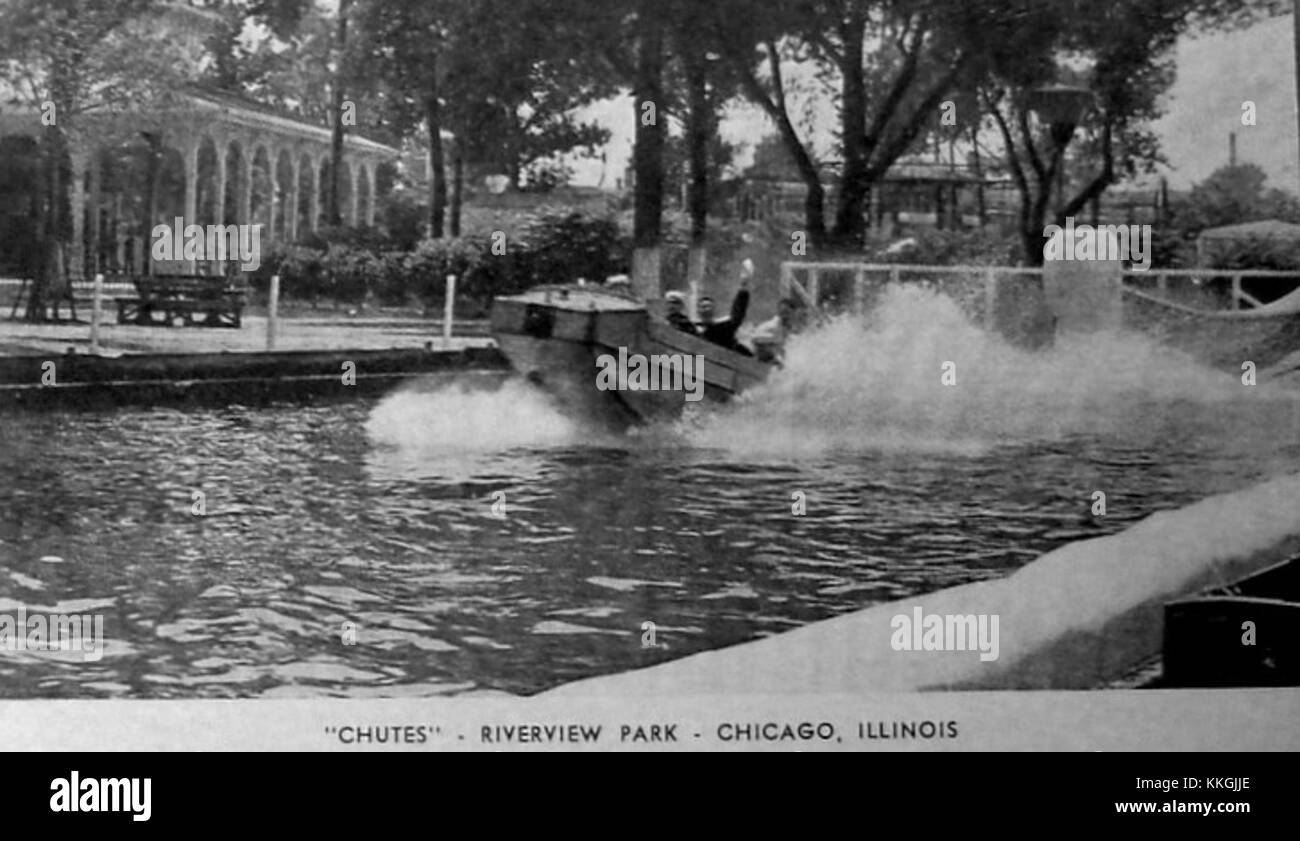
(381, 513)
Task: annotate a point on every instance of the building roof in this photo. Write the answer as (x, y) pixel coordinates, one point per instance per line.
(238, 102)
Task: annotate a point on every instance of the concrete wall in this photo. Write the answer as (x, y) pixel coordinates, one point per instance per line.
(1074, 618)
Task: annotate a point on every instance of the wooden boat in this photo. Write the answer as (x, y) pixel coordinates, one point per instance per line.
(1206, 640)
(556, 335)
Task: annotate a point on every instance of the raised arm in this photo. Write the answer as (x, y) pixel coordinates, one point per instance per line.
(740, 304)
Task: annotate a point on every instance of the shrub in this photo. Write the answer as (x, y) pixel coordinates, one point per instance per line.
(348, 266)
(302, 274)
(562, 247)
(403, 216)
(425, 269)
(351, 273)
(934, 247)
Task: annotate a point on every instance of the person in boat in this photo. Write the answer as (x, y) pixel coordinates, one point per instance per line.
(677, 316)
(723, 331)
(770, 336)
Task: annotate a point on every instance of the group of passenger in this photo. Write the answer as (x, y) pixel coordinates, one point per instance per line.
(768, 337)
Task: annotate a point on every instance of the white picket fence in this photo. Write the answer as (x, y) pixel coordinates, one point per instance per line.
(822, 285)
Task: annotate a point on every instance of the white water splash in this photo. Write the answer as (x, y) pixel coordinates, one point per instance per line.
(875, 383)
(463, 418)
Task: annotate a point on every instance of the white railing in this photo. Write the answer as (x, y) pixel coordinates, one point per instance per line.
(805, 280)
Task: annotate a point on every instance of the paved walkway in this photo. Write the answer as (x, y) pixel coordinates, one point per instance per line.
(317, 333)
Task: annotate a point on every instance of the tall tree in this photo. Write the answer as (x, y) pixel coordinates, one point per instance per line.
(504, 77)
(79, 65)
(896, 63)
(1126, 46)
(754, 38)
(339, 74)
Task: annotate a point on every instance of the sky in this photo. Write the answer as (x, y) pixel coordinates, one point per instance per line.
(1216, 74)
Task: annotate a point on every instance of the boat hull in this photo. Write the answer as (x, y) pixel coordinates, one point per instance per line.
(556, 342)
(1204, 636)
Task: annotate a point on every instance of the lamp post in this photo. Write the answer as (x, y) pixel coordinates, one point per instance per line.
(1062, 107)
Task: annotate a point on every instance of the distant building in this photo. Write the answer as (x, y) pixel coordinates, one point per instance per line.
(218, 159)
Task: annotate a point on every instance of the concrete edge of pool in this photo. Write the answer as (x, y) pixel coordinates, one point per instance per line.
(83, 380)
(1074, 618)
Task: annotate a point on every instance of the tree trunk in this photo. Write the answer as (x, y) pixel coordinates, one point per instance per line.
(699, 133)
(979, 174)
(333, 213)
(457, 186)
(774, 105)
(438, 176)
(648, 153)
(47, 280)
(849, 225)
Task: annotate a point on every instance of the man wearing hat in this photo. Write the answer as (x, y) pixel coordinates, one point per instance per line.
(677, 316)
(722, 331)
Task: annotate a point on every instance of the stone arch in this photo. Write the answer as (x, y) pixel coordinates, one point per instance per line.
(345, 193)
(306, 194)
(261, 202)
(385, 180)
(364, 191)
(236, 182)
(284, 211)
(170, 197)
(208, 204)
(168, 204)
(322, 195)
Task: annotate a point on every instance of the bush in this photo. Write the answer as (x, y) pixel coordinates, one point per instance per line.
(934, 247)
(302, 273)
(351, 273)
(560, 247)
(425, 270)
(350, 266)
(1253, 252)
(403, 215)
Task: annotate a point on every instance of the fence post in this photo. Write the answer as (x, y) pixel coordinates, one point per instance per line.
(95, 307)
(273, 312)
(449, 309)
(1236, 292)
(859, 289)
